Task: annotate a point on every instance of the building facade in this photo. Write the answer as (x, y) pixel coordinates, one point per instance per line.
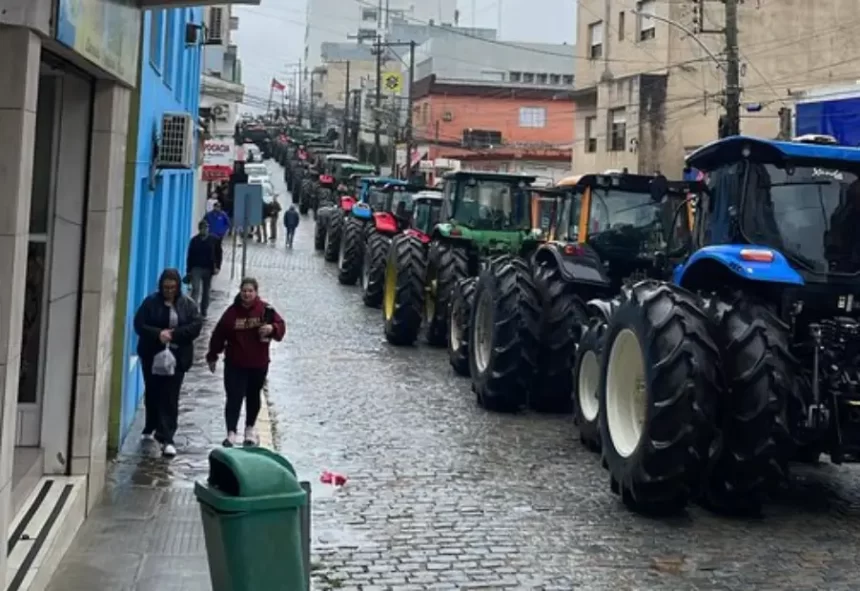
(160, 211)
(648, 93)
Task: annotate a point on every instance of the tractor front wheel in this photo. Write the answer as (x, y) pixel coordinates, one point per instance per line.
(373, 268)
(659, 393)
(334, 230)
(586, 379)
(762, 382)
(449, 266)
(403, 294)
(350, 253)
(503, 335)
(563, 318)
(462, 301)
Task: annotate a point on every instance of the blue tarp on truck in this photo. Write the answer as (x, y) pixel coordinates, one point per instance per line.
(837, 117)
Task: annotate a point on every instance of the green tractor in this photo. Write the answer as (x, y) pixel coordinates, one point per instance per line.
(483, 214)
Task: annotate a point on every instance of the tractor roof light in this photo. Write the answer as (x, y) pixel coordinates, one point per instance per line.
(757, 255)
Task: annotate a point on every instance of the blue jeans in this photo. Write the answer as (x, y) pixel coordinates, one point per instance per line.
(201, 285)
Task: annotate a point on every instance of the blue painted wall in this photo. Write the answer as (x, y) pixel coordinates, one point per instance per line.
(161, 219)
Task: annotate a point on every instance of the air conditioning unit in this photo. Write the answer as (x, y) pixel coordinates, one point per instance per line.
(221, 112)
(176, 149)
(215, 30)
(447, 116)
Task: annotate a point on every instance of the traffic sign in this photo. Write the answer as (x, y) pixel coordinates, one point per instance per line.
(392, 82)
(248, 205)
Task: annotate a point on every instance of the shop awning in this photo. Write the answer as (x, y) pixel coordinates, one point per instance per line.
(149, 4)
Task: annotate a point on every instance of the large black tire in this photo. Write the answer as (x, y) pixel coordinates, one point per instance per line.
(403, 298)
(449, 265)
(334, 230)
(762, 383)
(659, 346)
(351, 251)
(373, 268)
(586, 382)
(305, 196)
(462, 301)
(563, 318)
(320, 227)
(503, 335)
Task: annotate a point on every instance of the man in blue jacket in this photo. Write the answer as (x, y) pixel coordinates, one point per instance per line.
(217, 221)
(291, 222)
(203, 262)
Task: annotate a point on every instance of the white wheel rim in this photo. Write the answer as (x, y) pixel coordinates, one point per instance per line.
(327, 239)
(483, 342)
(626, 399)
(586, 386)
(365, 271)
(456, 334)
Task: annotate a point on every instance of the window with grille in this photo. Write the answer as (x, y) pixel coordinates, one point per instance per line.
(568, 79)
(595, 40)
(173, 150)
(369, 15)
(533, 117)
(647, 25)
(555, 79)
(481, 138)
(591, 134)
(617, 129)
(216, 24)
(528, 78)
(515, 76)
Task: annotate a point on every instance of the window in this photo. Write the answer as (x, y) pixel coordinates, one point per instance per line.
(567, 79)
(595, 40)
(366, 34)
(617, 130)
(621, 25)
(369, 15)
(216, 24)
(156, 38)
(541, 78)
(169, 46)
(555, 79)
(516, 76)
(528, 78)
(646, 25)
(590, 135)
(534, 117)
(481, 138)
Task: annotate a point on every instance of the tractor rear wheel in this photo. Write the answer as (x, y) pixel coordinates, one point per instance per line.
(333, 232)
(563, 318)
(320, 228)
(373, 268)
(659, 391)
(586, 379)
(449, 265)
(403, 294)
(462, 300)
(762, 381)
(351, 251)
(503, 335)
(305, 197)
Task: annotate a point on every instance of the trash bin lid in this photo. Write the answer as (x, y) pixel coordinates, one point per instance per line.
(250, 479)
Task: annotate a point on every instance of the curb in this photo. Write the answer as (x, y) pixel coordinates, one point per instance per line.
(266, 423)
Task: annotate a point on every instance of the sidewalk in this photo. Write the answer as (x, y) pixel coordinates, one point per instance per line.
(146, 534)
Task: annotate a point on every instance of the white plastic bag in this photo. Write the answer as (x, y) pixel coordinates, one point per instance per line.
(164, 363)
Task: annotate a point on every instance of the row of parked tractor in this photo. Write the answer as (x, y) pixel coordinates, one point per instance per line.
(703, 333)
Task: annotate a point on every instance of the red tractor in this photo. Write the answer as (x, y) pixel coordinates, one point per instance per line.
(406, 209)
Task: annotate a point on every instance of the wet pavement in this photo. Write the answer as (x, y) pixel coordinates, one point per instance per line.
(442, 495)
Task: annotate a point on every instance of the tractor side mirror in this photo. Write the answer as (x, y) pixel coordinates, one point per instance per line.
(659, 186)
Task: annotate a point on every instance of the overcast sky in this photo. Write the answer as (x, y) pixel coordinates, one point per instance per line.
(271, 35)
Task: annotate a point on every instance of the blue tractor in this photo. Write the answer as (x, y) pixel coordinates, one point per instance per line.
(709, 384)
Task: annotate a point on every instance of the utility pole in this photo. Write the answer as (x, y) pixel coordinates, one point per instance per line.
(377, 144)
(410, 135)
(299, 96)
(733, 78)
(311, 104)
(346, 111)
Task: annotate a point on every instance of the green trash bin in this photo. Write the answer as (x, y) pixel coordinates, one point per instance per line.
(250, 507)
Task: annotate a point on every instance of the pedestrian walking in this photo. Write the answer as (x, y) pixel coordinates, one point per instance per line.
(275, 213)
(291, 222)
(244, 334)
(217, 221)
(203, 261)
(166, 323)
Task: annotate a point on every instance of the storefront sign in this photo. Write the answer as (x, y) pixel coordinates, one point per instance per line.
(218, 158)
(106, 32)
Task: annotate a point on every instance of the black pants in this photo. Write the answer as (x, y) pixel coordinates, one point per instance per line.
(161, 402)
(291, 233)
(243, 384)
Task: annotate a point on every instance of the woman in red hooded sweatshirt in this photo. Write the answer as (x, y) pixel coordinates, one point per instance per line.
(244, 333)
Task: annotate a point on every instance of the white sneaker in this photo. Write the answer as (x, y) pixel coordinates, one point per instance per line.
(168, 451)
(250, 436)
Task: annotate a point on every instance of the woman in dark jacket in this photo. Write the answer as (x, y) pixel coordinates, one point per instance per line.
(166, 319)
(244, 333)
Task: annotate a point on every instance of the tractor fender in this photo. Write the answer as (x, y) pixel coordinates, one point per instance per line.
(577, 263)
(743, 260)
(600, 308)
(424, 238)
(385, 222)
(346, 203)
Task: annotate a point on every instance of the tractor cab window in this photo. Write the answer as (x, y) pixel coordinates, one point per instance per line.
(811, 214)
(568, 227)
(494, 205)
(376, 199)
(400, 203)
(426, 216)
(615, 211)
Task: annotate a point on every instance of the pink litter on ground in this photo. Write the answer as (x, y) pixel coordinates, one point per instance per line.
(332, 478)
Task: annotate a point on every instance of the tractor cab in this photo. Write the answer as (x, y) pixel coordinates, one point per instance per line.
(333, 160)
(347, 174)
(395, 211)
(547, 205)
(426, 210)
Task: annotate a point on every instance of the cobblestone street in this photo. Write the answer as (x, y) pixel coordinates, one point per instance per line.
(444, 495)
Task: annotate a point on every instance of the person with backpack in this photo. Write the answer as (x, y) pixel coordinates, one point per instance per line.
(244, 334)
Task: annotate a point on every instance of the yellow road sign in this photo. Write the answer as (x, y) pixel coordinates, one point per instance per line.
(392, 82)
